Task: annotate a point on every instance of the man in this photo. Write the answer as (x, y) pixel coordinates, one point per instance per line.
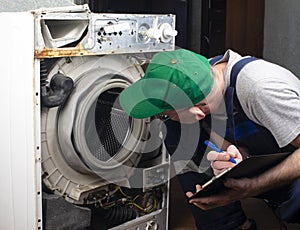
(253, 104)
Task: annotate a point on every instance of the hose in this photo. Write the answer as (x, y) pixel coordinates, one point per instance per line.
(59, 89)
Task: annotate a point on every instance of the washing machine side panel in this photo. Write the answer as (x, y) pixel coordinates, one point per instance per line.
(19, 151)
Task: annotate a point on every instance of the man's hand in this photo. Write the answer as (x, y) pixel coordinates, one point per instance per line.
(237, 189)
(220, 161)
(282, 174)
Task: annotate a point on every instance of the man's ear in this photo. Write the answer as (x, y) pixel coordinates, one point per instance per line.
(199, 114)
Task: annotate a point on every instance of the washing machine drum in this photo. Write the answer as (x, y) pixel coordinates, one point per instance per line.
(89, 141)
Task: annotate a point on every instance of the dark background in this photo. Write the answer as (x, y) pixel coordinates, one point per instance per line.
(208, 27)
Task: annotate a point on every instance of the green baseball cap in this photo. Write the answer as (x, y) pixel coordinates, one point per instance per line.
(173, 80)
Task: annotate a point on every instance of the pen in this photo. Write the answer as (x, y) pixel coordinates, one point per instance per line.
(215, 148)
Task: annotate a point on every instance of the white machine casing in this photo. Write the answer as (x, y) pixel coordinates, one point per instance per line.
(46, 148)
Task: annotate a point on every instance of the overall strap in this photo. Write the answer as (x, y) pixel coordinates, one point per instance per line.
(240, 129)
(237, 67)
(235, 131)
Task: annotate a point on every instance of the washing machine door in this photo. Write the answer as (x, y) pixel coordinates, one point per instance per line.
(89, 141)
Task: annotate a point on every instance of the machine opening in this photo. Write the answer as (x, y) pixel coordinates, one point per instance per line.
(107, 126)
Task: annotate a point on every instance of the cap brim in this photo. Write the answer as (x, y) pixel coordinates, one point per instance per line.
(136, 104)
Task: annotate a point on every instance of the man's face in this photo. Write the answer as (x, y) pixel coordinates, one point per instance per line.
(189, 115)
(209, 105)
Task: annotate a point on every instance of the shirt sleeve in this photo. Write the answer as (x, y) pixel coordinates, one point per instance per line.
(277, 110)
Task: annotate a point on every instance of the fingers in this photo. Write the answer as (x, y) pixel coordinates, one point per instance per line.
(234, 152)
(218, 171)
(220, 161)
(221, 165)
(189, 194)
(215, 156)
(231, 151)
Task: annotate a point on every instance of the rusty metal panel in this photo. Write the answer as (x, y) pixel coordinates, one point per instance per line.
(76, 31)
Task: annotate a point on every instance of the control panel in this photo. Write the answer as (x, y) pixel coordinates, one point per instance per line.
(78, 32)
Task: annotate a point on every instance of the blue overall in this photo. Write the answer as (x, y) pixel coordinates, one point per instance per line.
(242, 132)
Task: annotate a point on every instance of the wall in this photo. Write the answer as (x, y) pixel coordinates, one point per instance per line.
(194, 25)
(245, 26)
(282, 33)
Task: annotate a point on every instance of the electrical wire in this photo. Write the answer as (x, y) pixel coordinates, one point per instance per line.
(132, 201)
(126, 207)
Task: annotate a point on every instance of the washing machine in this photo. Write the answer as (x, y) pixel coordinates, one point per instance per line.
(72, 158)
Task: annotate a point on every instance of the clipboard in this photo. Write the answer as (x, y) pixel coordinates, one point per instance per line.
(249, 167)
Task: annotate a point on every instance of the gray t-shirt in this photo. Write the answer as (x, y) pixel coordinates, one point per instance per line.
(269, 95)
